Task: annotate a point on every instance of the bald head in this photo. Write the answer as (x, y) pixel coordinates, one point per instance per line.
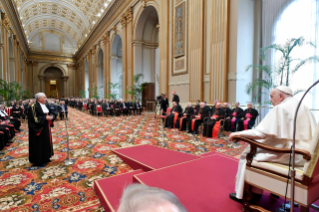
(277, 96)
(218, 105)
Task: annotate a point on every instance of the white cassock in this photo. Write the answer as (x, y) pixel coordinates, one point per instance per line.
(276, 129)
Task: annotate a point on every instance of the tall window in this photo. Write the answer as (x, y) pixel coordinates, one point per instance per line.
(300, 18)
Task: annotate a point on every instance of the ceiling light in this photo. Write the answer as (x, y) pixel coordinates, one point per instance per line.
(93, 22)
(102, 10)
(105, 4)
(109, 0)
(18, 8)
(86, 35)
(99, 14)
(23, 25)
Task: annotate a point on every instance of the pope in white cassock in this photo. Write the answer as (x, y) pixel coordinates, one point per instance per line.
(276, 129)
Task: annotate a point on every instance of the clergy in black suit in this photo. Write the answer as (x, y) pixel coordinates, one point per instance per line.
(188, 113)
(217, 115)
(175, 97)
(236, 115)
(194, 123)
(170, 118)
(40, 122)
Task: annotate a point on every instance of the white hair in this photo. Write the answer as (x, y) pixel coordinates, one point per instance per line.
(137, 197)
(38, 95)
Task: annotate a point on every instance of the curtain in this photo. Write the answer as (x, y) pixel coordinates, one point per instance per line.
(286, 19)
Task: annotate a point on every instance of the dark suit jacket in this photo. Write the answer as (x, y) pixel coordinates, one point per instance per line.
(164, 104)
(176, 98)
(239, 113)
(252, 112)
(189, 111)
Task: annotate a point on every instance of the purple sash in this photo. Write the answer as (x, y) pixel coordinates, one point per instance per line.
(233, 120)
(248, 115)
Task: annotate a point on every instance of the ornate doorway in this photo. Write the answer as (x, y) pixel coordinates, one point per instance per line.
(53, 78)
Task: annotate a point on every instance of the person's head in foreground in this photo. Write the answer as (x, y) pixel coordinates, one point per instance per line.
(174, 92)
(142, 198)
(41, 97)
(237, 104)
(279, 94)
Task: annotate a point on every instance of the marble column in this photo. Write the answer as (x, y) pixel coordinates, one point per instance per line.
(129, 51)
(42, 85)
(65, 86)
(71, 80)
(106, 62)
(35, 77)
(124, 55)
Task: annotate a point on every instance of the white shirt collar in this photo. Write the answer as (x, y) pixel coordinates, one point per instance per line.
(44, 108)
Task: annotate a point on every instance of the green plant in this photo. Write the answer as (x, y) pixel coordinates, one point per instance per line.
(280, 73)
(112, 88)
(95, 92)
(10, 91)
(137, 88)
(82, 93)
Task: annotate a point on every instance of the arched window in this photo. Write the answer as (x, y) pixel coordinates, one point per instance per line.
(300, 19)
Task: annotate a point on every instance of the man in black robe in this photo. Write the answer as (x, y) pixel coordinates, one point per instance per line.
(164, 104)
(170, 118)
(195, 122)
(216, 115)
(40, 139)
(188, 113)
(175, 97)
(236, 115)
(249, 118)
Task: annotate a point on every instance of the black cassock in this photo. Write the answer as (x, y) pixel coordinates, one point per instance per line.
(40, 138)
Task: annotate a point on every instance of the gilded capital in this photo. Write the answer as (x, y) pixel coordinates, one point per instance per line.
(123, 21)
(70, 66)
(35, 63)
(129, 15)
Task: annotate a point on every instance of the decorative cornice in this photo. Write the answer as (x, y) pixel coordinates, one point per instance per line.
(50, 58)
(16, 23)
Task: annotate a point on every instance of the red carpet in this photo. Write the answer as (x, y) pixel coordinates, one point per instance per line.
(109, 190)
(202, 185)
(148, 157)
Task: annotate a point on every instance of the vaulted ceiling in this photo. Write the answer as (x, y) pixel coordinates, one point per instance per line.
(73, 19)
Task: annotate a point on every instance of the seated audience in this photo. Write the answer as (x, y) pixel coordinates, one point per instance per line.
(187, 115)
(172, 118)
(195, 122)
(217, 114)
(249, 118)
(236, 115)
(137, 108)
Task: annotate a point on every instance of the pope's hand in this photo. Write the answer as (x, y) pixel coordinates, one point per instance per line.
(232, 135)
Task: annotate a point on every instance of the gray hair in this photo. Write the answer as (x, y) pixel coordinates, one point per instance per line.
(137, 197)
(38, 95)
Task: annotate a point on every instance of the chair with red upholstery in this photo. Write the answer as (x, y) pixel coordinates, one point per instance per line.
(163, 117)
(99, 110)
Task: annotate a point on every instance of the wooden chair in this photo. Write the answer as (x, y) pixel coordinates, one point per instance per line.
(272, 177)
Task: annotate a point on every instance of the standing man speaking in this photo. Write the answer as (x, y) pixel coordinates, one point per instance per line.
(40, 122)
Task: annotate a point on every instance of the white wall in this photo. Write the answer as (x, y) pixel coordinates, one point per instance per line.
(241, 42)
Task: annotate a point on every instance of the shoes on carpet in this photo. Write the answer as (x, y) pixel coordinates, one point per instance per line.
(254, 199)
(233, 197)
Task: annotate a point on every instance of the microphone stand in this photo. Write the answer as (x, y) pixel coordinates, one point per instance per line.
(293, 171)
(68, 161)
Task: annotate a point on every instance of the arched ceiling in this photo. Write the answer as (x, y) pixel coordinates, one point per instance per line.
(74, 18)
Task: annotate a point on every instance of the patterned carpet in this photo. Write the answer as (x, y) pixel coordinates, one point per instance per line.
(56, 186)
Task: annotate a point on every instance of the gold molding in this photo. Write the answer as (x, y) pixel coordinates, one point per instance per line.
(50, 58)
